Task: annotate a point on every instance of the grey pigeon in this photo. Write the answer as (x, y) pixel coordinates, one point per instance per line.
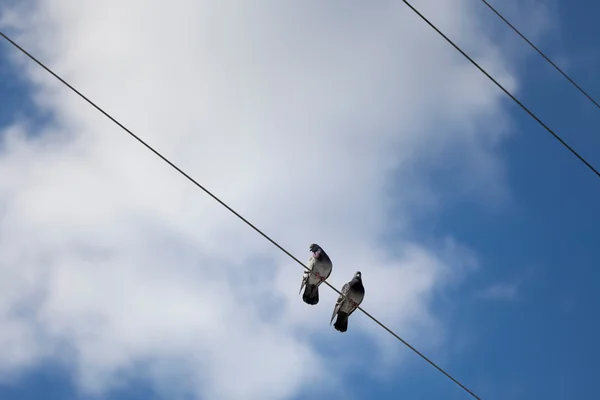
(353, 293)
(320, 267)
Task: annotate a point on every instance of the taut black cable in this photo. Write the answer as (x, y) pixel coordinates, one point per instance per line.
(229, 208)
(563, 73)
(509, 94)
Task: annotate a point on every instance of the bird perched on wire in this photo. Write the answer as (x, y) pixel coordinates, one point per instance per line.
(319, 269)
(353, 293)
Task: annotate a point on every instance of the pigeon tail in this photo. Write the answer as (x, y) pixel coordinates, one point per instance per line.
(311, 294)
(341, 323)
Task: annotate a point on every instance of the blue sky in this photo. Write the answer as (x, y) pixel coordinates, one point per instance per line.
(539, 343)
(542, 345)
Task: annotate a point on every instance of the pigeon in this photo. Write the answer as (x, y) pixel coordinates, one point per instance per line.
(319, 269)
(353, 293)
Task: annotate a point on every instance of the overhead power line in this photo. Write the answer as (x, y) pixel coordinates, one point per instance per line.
(231, 210)
(590, 98)
(509, 94)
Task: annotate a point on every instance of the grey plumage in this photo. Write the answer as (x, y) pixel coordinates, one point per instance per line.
(353, 294)
(320, 267)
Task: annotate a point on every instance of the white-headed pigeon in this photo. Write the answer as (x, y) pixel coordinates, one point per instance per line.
(320, 267)
(353, 293)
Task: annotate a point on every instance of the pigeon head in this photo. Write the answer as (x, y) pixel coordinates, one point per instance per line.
(358, 276)
(317, 250)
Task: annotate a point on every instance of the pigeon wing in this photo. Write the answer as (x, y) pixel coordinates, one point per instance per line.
(306, 274)
(340, 300)
(304, 280)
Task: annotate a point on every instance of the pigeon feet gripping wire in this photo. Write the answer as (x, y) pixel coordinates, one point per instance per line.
(319, 269)
(353, 294)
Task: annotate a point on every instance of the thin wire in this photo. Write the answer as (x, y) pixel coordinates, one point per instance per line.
(230, 209)
(509, 94)
(541, 53)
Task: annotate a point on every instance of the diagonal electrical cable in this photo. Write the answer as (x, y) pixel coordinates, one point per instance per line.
(230, 209)
(590, 98)
(509, 94)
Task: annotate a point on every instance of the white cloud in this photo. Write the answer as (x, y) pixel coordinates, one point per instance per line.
(296, 114)
(509, 290)
(501, 291)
